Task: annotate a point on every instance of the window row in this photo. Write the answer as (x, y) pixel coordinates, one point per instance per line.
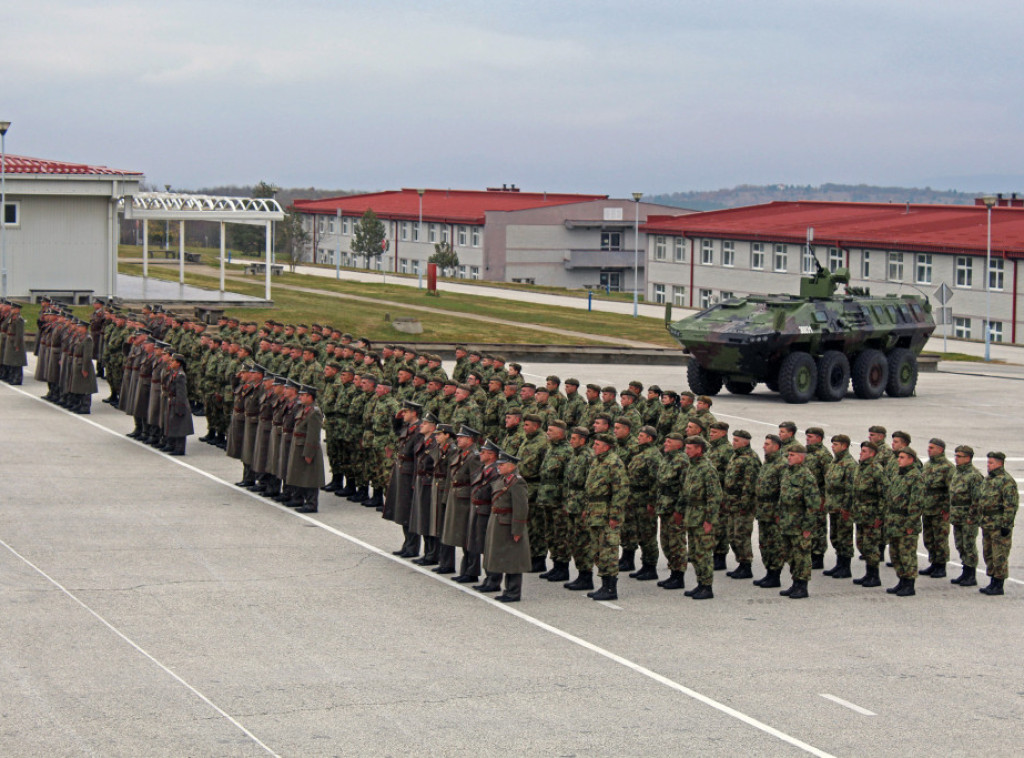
(962, 327)
(705, 297)
(412, 231)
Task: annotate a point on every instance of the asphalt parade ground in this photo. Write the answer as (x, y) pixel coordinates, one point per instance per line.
(151, 608)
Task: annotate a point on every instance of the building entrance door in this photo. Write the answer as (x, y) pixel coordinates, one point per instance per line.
(611, 280)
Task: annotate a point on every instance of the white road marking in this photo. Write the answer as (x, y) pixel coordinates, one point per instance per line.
(608, 604)
(960, 566)
(135, 645)
(1016, 459)
(569, 637)
(848, 704)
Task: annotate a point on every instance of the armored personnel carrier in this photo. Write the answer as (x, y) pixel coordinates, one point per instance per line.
(808, 346)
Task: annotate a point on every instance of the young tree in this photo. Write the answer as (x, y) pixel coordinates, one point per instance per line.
(445, 257)
(248, 239)
(291, 237)
(369, 237)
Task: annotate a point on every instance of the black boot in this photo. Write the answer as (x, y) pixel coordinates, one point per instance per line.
(938, 571)
(720, 561)
(646, 573)
(676, 581)
(897, 588)
(540, 564)
(703, 592)
(310, 500)
(582, 582)
(348, 489)
(360, 494)
(927, 571)
(333, 485)
(741, 572)
(375, 501)
(870, 578)
(608, 589)
(817, 561)
(799, 590)
(222, 441)
(789, 590)
(842, 569)
(966, 578)
(179, 446)
(908, 589)
(628, 560)
(995, 587)
(559, 573)
(771, 579)
(491, 583)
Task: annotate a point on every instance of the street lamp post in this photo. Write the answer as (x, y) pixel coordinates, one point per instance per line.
(4, 126)
(419, 226)
(989, 202)
(636, 250)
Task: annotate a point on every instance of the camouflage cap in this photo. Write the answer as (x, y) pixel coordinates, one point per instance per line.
(798, 448)
(995, 455)
(609, 388)
(624, 420)
(816, 431)
(582, 431)
(688, 394)
(742, 433)
(965, 449)
(842, 439)
(877, 430)
(872, 446)
(699, 423)
(901, 436)
(721, 426)
(649, 430)
(693, 439)
(514, 410)
(606, 438)
(789, 425)
(937, 442)
(636, 384)
(573, 381)
(554, 379)
(654, 388)
(670, 393)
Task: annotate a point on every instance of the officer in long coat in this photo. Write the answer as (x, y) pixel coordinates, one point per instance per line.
(82, 380)
(306, 456)
(179, 410)
(422, 488)
(14, 357)
(507, 548)
(456, 517)
(398, 503)
(481, 499)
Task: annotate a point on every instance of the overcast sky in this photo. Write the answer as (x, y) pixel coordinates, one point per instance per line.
(608, 97)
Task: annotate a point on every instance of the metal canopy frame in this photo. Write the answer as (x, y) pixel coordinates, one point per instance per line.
(182, 207)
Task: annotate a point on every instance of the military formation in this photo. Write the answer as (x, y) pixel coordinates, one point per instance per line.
(491, 476)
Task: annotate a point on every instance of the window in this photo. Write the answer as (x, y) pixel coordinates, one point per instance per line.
(895, 267)
(923, 270)
(809, 264)
(836, 259)
(659, 248)
(462, 236)
(757, 256)
(416, 232)
(705, 299)
(403, 266)
(680, 249)
(320, 226)
(613, 241)
(446, 233)
(330, 226)
(961, 328)
(12, 214)
(779, 263)
(995, 331)
(728, 253)
(707, 252)
(405, 230)
(474, 272)
(995, 277)
(726, 296)
(476, 236)
(432, 233)
(678, 295)
(865, 265)
(344, 225)
(659, 294)
(462, 272)
(964, 271)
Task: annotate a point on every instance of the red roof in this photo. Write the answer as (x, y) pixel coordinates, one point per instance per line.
(447, 206)
(20, 164)
(885, 226)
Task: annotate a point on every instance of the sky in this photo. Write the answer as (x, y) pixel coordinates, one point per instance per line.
(566, 96)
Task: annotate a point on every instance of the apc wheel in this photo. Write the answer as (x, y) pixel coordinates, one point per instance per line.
(740, 388)
(902, 373)
(772, 384)
(833, 376)
(702, 381)
(870, 374)
(798, 378)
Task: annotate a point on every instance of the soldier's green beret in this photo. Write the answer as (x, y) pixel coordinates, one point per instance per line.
(654, 388)
(464, 387)
(670, 393)
(477, 374)
(816, 431)
(995, 454)
(693, 439)
(461, 347)
(688, 394)
(628, 393)
(604, 416)
(606, 438)
(788, 425)
(511, 383)
(372, 379)
(842, 439)
(595, 387)
(675, 436)
(406, 369)
(424, 377)
(555, 379)
(909, 451)
(559, 423)
(720, 425)
(637, 385)
(869, 445)
(937, 442)
(488, 445)
(495, 379)
(528, 385)
(429, 418)
(609, 388)
(650, 431)
(498, 358)
(798, 448)
(515, 410)
(475, 352)
(699, 423)
(774, 438)
(877, 430)
(543, 389)
(902, 436)
(582, 431)
(534, 418)
(447, 382)
(705, 399)
(573, 381)
(742, 433)
(966, 450)
(624, 420)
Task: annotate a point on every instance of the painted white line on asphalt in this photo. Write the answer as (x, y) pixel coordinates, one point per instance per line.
(848, 704)
(1015, 459)
(568, 636)
(135, 645)
(763, 423)
(960, 566)
(608, 604)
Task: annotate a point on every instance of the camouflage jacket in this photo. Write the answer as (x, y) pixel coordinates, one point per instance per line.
(799, 500)
(839, 478)
(869, 487)
(719, 454)
(702, 493)
(531, 457)
(671, 474)
(818, 461)
(769, 479)
(573, 409)
(313, 375)
(904, 502)
(643, 470)
(936, 474)
(607, 490)
(739, 486)
(552, 473)
(467, 412)
(625, 448)
(964, 494)
(576, 470)
(998, 500)
(666, 419)
(382, 427)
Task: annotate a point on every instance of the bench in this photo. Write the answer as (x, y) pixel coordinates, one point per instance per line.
(72, 296)
(209, 314)
(276, 269)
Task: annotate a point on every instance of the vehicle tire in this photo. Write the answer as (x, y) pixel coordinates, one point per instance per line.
(870, 374)
(740, 388)
(773, 383)
(902, 373)
(701, 380)
(833, 376)
(798, 378)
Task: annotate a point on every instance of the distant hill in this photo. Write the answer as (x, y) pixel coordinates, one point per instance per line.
(752, 194)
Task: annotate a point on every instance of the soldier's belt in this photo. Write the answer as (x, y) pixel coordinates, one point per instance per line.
(440, 476)
(298, 434)
(501, 510)
(480, 502)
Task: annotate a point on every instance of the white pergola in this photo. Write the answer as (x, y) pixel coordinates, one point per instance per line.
(180, 207)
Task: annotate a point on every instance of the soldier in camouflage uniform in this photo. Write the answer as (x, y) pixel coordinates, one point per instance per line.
(607, 490)
(640, 528)
(512, 436)
(593, 406)
(671, 508)
(551, 500)
(576, 470)
(739, 502)
(702, 493)
(799, 505)
(531, 452)
(787, 433)
(869, 492)
(818, 461)
(719, 454)
(556, 399)
(667, 413)
(964, 496)
(652, 408)
(464, 410)
(312, 374)
(839, 481)
(630, 410)
(365, 387)
(574, 405)
(769, 539)
(997, 507)
(328, 400)
(904, 503)
(935, 518)
(493, 415)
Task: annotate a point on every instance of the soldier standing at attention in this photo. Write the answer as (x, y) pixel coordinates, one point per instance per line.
(481, 499)
(641, 525)
(839, 481)
(306, 456)
(719, 453)
(14, 356)
(787, 433)
(531, 454)
(463, 470)
(607, 490)
(876, 435)
(997, 507)
(799, 505)
(818, 460)
(179, 410)
(576, 470)
(671, 508)
(964, 496)
(935, 517)
(739, 501)
(869, 488)
(702, 494)
(769, 539)
(551, 498)
(507, 549)
(905, 500)
(574, 405)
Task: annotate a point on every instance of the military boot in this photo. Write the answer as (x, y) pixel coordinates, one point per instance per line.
(897, 588)
(967, 578)
(348, 490)
(361, 493)
(817, 561)
(995, 587)
(646, 573)
(928, 570)
(799, 590)
(789, 590)
(676, 581)
(741, 572)
(703, 592)
(938, 571)
(720, 561)
(908, 589)
(771, 579)
(333, 485)
(376, 501)
(310, 500)
(627, 562)
(871, 578)
(608, 589)
(540, 564)
(842, 568)
(585, 581)
(559, 573)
